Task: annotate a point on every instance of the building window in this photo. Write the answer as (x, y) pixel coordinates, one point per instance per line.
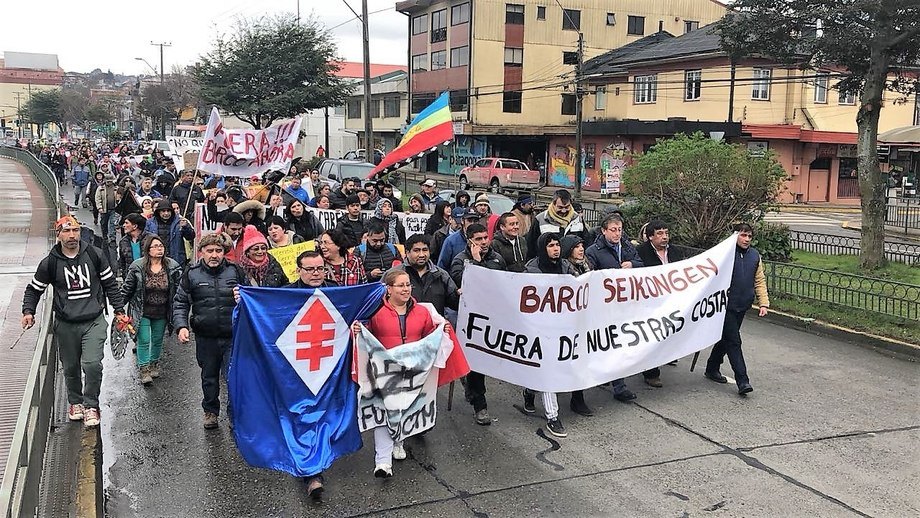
(693, 81)
(439, 26)
(514, 14)
(511, 102)
(761, 86)
(600, 98)
(569, 58)
(571, 20)
(590, 153)
(635, 25)
(846, 98)
(438, 59)
(821, 82)
(514, 57)
(569, 101)
(421, 101)
(375, 108)
(459, 100)
(420, 63)
(541, 12)
(460, 14)
(419, 24)
(460, 56)
(338, 110)
(353, 110)
(690, 26)
(611, 19)
(645, 89)
(391, 107)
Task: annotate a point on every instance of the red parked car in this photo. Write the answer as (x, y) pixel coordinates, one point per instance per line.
(497, 174)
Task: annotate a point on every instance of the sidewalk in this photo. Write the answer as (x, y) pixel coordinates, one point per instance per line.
(23, 243)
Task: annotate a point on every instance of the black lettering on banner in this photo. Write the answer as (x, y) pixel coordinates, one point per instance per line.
(567, 348)
(372, 417)
(500, 343)
(421, 419)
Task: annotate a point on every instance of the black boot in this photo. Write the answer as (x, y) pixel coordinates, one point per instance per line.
(578, 404)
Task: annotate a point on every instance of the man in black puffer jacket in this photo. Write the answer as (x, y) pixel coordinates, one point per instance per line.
(206, 289)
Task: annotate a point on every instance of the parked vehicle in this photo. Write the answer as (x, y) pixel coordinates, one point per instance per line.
(499, 173)
(359, 154)
(333, 170)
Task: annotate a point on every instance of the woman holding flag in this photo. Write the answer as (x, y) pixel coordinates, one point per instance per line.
(401, 320)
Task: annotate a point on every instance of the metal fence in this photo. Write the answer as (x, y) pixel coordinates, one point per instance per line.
(903, 213)
(19, 491)
(907, 253)
(842, 289)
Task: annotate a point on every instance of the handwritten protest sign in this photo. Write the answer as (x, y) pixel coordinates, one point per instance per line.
(246, 152)
(184, 150)
(413, 222)
(287, 257)
(572, 333)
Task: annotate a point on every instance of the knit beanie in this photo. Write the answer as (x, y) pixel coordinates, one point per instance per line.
(252, 237)
(568, 243)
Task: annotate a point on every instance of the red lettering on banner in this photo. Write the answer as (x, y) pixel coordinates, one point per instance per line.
(315, 335)
(250, 142)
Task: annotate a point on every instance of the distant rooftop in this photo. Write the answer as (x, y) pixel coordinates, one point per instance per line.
(29, 61)
(656, 47)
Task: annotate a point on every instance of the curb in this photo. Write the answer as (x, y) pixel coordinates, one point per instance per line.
(910, 236)
(89, 502)
(905, 350)
(799, 207)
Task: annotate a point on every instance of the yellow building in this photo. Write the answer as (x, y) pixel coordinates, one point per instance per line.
(21, 75)
(664, 85)
(510, 65)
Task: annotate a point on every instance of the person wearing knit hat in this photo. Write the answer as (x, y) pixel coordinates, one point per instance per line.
(523, 209)
(482, 206)
(261, 268)
(146, 203)
(172, 229)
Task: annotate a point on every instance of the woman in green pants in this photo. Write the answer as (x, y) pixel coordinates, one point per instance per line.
(149, 288)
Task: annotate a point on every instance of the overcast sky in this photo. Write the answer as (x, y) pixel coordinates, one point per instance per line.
(108, 35)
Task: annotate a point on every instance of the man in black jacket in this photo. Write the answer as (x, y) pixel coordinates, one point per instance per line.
(206, 289)
(351, 223)
(186, 194)
(129, 248)
(82, 280)
(509, 243)
(311, 269)
(429, 283)
(377, 255)
(655, 251)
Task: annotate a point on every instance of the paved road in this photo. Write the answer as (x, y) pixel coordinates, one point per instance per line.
(832, 429)
(821, 222)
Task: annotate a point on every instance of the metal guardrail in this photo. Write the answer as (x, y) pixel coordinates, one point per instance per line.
(19, 491)
(842, 289)
(903, 213)
(907, 253)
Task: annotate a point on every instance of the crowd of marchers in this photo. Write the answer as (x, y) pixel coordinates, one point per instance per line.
(143, 208)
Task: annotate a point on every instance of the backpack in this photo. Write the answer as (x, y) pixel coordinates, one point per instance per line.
(362, 250)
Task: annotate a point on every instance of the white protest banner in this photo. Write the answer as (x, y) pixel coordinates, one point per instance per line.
(203, 224)
(413, 222)
(179, 146)
(398, 387)
(558, 333)
(247, 152)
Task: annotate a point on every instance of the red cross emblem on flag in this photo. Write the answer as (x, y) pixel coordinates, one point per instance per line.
(315, 332)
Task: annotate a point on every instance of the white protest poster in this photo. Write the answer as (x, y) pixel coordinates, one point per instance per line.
(398, 387)
(247, 152)
(179, 146)
(414, 222)
(558, 333)
(203, 224)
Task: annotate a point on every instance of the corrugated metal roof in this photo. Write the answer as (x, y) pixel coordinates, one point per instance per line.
(658, 46)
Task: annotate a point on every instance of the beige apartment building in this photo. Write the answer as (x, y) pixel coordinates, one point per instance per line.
(21, 75)
(389, 109)
(510, 65)
(663, 85)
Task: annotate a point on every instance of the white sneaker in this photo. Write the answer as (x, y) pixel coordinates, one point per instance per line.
(383, 471)
(399, 453)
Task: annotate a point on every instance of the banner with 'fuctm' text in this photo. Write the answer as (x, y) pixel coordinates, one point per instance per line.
(558, 333)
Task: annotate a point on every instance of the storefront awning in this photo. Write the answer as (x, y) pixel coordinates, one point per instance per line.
(905, 135)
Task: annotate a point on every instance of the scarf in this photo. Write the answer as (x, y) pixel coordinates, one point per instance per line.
(255, 271)
(557, 219)
(389, 221)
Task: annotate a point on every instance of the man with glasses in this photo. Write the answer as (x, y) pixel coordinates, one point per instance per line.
(611, 250)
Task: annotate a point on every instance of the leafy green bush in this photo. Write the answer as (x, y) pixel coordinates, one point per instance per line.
(773, 242)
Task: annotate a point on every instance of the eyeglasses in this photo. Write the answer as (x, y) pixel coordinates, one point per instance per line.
(312, 269)
(258, 248)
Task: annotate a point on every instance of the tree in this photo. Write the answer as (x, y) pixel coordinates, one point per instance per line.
(44, 107)
(98, 114)
(701, 186)
(876, 43)
(74, 103)
(272, 68)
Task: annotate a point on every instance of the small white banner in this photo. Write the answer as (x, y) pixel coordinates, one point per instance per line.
(398, 387)
(558, 333)
(179, 146)
(247, 152)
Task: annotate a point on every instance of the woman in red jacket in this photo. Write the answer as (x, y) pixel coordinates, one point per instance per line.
(399, 320)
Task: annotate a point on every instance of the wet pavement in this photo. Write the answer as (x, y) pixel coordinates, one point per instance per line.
(832, 429)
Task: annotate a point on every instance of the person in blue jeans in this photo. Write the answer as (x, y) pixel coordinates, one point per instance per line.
(149, 288)
(749, 285)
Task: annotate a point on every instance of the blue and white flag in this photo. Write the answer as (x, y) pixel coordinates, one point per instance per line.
(293, 398)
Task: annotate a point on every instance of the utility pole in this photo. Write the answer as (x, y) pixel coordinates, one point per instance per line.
(326, 117)
(579, 114)
(368, 122)
(731, 91)
(19, 111)
(162, 80)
